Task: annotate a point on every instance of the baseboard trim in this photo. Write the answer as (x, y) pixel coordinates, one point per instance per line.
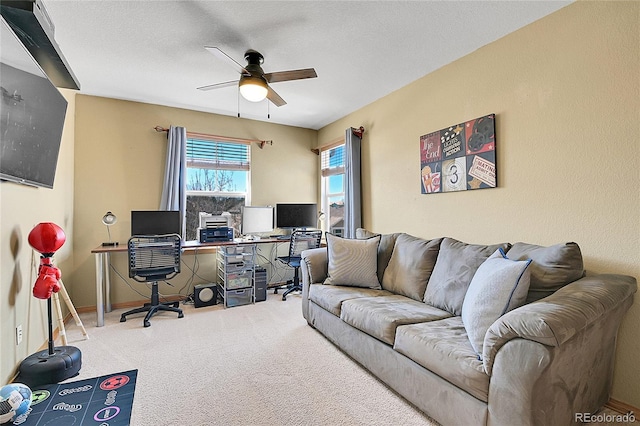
(621, 407)
(133, 304)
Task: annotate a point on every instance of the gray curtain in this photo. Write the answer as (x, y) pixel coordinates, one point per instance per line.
(353, 195)
(174, 192)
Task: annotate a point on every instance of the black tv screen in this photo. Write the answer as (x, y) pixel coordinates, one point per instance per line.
(155, 222)
(296, 215)
(32, 113)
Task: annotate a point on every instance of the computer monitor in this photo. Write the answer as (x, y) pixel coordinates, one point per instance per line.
(296, 215)
(256, 220)
(155, 222)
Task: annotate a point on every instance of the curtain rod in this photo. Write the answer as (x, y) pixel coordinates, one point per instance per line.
(338, 141)
(260, 143)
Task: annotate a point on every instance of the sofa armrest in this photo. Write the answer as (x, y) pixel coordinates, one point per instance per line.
(313, 269)
(557, 318)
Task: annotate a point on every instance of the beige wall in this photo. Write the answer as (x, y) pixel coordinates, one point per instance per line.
(22, 208)
(119, 163)
(566, 91)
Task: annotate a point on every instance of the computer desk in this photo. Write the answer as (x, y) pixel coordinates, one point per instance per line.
(102, 256)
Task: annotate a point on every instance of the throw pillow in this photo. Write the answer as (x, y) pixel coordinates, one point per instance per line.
(457, 263)
(352, 262)
(498, 286)
(410, 266)
(553, 267)
(387, 243)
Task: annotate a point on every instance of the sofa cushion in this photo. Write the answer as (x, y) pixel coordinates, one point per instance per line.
(330, 297)
(498, 286)
(457, 263)
(443, 348)
(352, 262)
(387, 242)
(410, 266)
(552, 267)
(379, 316)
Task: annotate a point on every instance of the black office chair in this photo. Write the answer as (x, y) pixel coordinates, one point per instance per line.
(153, 258)
(301, 240)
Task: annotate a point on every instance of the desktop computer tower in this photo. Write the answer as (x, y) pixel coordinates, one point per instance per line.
(260, 284)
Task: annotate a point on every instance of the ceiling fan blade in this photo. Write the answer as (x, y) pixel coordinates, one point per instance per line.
(274, 77)
(226, 58)
(219, 85)
(274, 97)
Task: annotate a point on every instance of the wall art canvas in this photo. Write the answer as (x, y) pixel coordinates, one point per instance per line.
(460, 157)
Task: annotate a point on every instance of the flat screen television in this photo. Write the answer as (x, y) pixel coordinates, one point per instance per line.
(155, 222)
(296, 215)
(256, 220)
(32, 113)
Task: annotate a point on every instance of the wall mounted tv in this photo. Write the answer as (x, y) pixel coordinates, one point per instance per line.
(32, 113)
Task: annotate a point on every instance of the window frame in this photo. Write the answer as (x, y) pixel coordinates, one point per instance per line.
(325, 174)
(198, 164)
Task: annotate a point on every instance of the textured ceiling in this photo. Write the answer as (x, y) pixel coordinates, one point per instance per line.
(153, 51)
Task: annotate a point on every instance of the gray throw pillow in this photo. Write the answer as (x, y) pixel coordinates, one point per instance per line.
(457, 263)
(410, 266)
(553, 267)
(387, 242)
(498, 286)
(352, 262)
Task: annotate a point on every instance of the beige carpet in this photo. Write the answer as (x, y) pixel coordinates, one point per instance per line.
(250, 365)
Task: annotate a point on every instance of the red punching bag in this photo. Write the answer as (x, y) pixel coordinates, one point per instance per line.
(47, 237)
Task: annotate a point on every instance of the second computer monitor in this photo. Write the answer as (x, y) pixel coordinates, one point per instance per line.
(256, 220)
(296, 215)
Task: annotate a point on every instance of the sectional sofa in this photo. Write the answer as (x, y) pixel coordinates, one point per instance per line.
(497, 334)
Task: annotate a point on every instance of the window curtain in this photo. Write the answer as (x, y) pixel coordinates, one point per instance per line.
(174, 192)
(352, 186)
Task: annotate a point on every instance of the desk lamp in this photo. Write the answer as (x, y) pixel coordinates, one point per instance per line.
(109, 219)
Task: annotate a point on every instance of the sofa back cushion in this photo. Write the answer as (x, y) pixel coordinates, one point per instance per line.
(385, 248)
(352, 262)
(552, 267)
(456, 264)
(410, 266)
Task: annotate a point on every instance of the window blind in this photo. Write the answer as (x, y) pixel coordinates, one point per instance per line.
(332, 161)
(210, 154)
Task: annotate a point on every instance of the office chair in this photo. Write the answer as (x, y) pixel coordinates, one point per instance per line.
(301, 240)
(153, 258)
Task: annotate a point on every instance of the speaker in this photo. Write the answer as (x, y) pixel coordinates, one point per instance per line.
(205, 295)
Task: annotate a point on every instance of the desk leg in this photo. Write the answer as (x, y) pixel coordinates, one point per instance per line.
(107, 282)
(99, 290)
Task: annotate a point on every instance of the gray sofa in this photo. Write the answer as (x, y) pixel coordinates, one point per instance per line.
(539, 363)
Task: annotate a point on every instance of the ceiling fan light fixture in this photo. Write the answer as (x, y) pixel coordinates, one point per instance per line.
(253, 89)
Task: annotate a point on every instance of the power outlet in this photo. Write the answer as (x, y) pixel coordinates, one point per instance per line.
(19, 334)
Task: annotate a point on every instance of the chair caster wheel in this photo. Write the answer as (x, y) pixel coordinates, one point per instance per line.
(284, 298)
(180, 315)
(123, 319)
(147, 324)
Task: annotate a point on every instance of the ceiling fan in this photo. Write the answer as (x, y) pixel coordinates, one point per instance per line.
(254, 82)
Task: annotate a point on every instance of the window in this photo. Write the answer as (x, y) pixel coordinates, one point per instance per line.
(332, 169)
(218, 180)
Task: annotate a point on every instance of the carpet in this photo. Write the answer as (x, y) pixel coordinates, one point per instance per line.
(96, 401)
